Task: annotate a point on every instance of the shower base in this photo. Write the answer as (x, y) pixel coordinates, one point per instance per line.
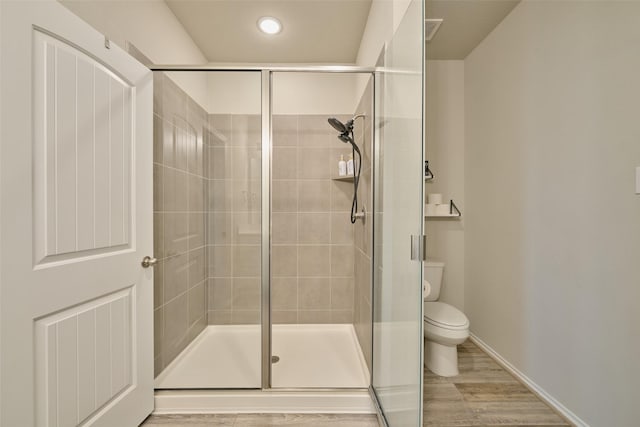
(309, 356)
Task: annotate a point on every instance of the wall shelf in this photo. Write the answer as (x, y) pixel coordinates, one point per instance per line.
(454, 212)
(346, 178)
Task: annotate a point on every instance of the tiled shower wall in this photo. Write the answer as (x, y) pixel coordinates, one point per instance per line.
(312, 238)
(234, 200)
(179, 220)
(363, 249)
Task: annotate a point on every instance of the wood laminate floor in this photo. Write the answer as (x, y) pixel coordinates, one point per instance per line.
(483, 394)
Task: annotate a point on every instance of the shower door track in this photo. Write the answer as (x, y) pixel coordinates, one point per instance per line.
(266, 113)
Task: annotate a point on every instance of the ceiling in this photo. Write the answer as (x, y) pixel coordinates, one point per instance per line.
(314, 31)
(466, 23)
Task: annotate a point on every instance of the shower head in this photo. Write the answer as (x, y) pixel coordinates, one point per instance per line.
(338, 125)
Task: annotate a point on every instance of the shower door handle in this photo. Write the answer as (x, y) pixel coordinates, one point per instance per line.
(418, 247)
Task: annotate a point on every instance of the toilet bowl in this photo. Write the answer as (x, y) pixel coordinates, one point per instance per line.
(445, 327)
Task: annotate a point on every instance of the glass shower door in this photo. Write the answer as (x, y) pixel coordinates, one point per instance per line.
(398, 192)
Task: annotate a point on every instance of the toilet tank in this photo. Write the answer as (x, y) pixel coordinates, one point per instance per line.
(433, 274)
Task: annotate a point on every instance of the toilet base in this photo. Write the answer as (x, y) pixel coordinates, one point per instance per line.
(441, 359)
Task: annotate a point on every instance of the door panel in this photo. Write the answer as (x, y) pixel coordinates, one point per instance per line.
(75, 222)
(82, 159)
(398, 194)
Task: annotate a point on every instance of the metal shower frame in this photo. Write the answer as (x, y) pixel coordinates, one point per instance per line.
(266, 72)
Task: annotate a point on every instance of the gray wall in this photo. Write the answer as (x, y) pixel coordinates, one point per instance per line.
(552, 221)
(179, 229)
(444, 148)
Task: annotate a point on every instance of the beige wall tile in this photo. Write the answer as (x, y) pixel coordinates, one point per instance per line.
(158, 235)
(314, 293)
(284, 293)
(285, 130)
(314, 163)
(196, 193)
(246, 294)
(284, 196)
(168, 144)
(246, 195)
(176, 323)
(219, 261)
(341, 196)
(284, 261)
(246, 162)
(314, 196)
(220, 195)
(285, 163)
(284, 227)
(314, 228)
(158, 188)
(218, 162)
(342, 293)
(197, 266)
(247, 228)
(314, 316)
(341, 228)
(196, 303)
(158, 284)
(341, 316)
(342, 261)
(158, 328)
(219, 317)
(219, 293)
(197, 235)
(246, 261)
(180, 143)
(176, 276)
(314, 261)
(245, 317)
(284, 316)
(176, 233)
(219, 228)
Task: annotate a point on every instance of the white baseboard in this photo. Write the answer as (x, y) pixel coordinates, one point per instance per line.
(257, 401)
(535, 388)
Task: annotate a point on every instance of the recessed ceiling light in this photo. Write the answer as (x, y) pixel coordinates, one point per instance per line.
(269, 25)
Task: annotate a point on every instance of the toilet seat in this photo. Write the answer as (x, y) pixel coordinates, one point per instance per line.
(445, 316)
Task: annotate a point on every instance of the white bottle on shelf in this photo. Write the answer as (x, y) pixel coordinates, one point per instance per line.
(350, 165)
(342, 166)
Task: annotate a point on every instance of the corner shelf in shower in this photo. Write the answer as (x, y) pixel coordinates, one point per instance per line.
(346, 178)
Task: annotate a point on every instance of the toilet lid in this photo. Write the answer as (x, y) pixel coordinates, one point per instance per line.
(444, 315)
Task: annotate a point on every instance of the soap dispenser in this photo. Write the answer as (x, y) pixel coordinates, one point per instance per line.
(350, 170)
(342, 166)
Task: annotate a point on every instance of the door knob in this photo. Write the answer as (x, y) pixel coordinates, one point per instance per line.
(148, 262)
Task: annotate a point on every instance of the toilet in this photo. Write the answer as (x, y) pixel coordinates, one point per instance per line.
(444, 325)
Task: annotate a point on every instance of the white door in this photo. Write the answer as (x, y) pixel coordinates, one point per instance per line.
(76, 327)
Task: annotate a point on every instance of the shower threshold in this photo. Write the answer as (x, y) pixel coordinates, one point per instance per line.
(308, 356)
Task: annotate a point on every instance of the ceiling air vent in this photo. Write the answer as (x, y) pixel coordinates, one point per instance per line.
(431, 28)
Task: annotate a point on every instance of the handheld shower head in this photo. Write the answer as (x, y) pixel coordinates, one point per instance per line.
(346, 135)
(338, 125)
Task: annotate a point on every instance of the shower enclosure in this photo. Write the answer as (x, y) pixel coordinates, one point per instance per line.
(264, 282)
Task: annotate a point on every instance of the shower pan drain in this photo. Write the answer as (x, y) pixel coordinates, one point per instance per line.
(275, 359)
